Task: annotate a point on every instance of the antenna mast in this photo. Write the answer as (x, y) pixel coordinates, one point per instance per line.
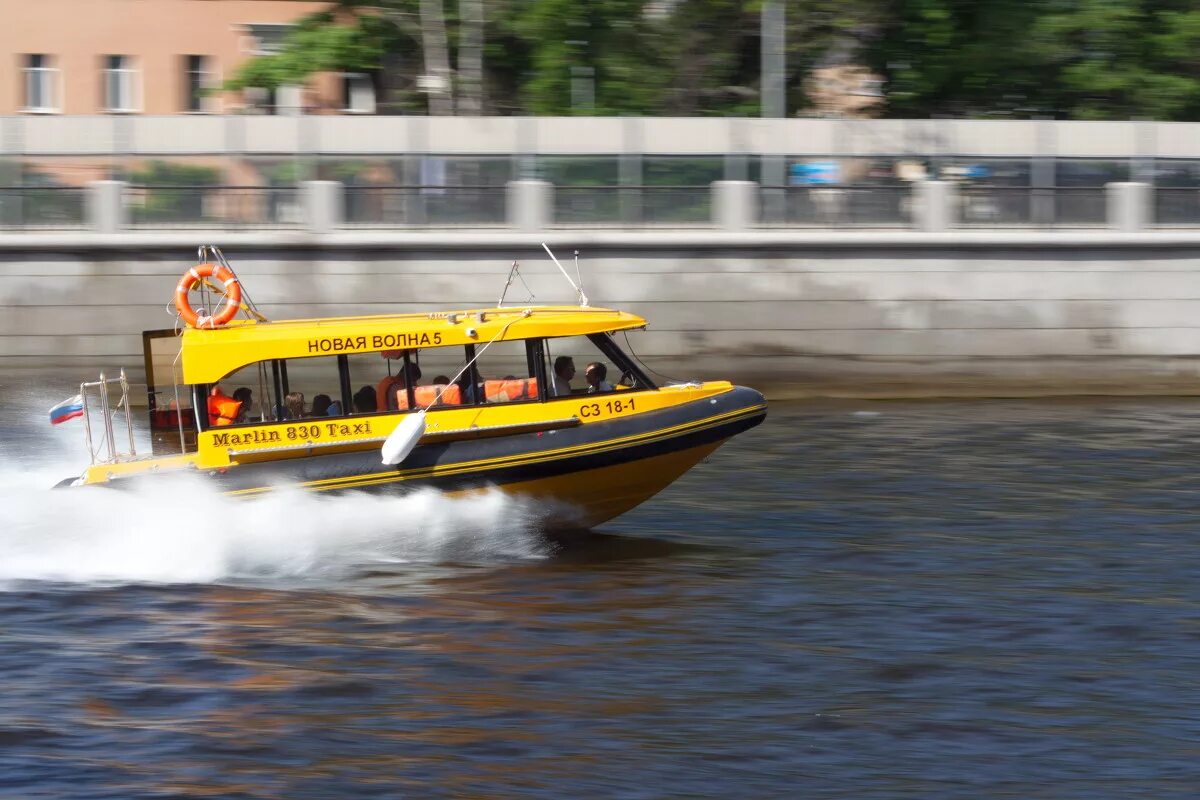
(578, 287)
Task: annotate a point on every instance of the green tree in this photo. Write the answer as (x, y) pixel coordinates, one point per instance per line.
(319, 43)
(603, 45)
(397, 40)
(711, 57)
(1077, 59)
(1121, 59)
(1087, 59)
(959, 57)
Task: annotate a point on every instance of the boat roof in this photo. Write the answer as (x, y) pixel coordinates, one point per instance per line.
(210, 355)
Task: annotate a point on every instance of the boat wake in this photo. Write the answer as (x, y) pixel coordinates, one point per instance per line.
(181, 530)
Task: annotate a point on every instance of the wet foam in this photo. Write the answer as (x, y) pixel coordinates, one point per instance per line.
(180, 530)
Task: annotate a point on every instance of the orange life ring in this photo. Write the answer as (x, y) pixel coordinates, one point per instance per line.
(191, 279)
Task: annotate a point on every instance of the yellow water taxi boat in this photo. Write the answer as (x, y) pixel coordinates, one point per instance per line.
(495, 393)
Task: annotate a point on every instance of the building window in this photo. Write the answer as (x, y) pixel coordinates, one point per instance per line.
(41, 84)
(198, 78)
(120, 84)
(267, 38)
(358, 93)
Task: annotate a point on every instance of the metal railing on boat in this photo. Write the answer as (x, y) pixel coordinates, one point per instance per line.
(109, 442)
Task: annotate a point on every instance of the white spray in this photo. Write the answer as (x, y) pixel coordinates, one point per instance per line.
(181, 530)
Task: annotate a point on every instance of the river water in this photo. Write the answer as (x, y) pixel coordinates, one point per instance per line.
(942, 600)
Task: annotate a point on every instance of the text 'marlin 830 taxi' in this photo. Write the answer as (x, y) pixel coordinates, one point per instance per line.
(539, 401)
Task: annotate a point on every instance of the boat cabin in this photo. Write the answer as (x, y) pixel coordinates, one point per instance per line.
(248, 374)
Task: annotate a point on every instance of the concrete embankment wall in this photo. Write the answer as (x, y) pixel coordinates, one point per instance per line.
(798, 314)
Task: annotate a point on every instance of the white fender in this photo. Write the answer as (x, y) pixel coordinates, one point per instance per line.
(403, 439)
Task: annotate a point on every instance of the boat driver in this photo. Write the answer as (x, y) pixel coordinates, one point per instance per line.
(595, 374)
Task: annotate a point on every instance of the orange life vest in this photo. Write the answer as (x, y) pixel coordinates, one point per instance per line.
(509, 390)
(427, 396)
(386, 389)
(170, 418)
(222, 410)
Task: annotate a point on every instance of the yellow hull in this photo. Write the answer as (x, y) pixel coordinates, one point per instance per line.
(590, 497)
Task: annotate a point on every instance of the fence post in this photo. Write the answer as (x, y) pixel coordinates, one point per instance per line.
(106, 212)
(323, 205)
(774, 191)
(934, 205)
(734, 205)
(530, 205)
(1129, 206)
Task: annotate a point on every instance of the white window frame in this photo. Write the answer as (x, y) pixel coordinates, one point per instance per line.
(266, 38)
(128, 75)
(51, 82)
(209, 79)
(348, 96)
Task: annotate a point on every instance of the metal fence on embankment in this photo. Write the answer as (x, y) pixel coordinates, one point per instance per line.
(888, 206)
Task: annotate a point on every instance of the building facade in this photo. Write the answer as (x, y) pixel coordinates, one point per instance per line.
(152, 57)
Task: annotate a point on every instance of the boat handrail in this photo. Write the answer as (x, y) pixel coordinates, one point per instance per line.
(109, 442)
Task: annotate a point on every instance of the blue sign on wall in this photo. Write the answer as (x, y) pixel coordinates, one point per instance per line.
(815, 173)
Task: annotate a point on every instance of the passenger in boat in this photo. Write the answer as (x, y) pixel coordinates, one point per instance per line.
(469, 390)
(364, 401)
(222, 409)
(244, 396)
(595, 374)
(293, 405)
(323, 406)
(398, 401)
(385, 392)
(564, 371)
(441, 380)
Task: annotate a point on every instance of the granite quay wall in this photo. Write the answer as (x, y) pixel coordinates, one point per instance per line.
(890, 314)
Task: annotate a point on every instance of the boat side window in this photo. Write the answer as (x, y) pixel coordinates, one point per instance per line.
(298, 388)
(435, 386)
(588, 364)
(252, 388)
(374, 378)
(403, 380)
(169, 402)
(506, 372)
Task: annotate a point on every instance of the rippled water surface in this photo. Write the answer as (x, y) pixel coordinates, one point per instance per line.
(955, 600)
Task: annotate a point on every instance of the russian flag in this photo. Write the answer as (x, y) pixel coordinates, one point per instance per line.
(67, 409)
